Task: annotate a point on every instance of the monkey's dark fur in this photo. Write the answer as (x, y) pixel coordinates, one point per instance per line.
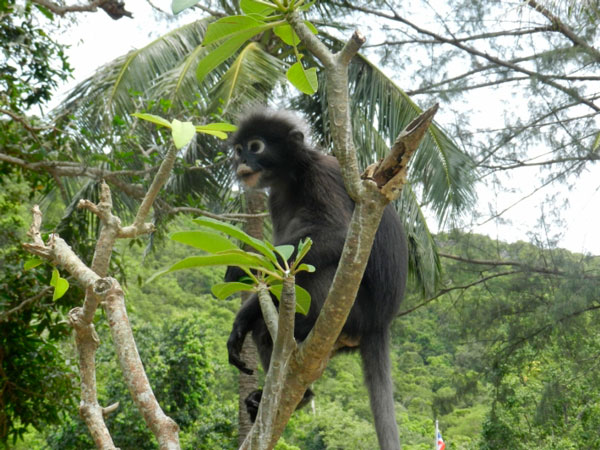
(308, 198)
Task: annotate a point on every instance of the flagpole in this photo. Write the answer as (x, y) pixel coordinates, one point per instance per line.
(435, 438)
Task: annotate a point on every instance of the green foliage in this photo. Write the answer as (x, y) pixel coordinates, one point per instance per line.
(183, 132)
(36, 377)
(60, 285)
(231, 32)
(183, 377)
(269, 267)
(32, 62)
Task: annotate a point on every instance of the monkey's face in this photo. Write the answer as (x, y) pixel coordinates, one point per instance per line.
(251, 162)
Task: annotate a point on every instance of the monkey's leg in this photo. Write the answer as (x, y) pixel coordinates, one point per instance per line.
(264, 344)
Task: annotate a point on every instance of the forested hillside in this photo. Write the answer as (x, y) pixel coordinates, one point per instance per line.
(484, 360)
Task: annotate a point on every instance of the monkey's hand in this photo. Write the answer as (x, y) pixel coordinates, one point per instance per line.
(234, 348)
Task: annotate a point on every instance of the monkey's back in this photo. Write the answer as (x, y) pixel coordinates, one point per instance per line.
(314, 203)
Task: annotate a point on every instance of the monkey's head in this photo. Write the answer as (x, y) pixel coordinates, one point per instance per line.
(268, 147)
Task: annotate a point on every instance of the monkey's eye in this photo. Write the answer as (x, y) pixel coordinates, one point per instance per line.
(237, 148)
(256, 145)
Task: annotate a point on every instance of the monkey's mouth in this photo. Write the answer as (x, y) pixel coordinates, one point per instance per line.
(248, 176)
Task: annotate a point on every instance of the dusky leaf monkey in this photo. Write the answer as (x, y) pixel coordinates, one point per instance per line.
(307, 198)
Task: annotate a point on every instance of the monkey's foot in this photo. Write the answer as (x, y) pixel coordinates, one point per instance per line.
(253, 401)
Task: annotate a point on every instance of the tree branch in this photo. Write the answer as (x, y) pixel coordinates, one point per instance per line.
(456, 43)
(114, 8)
(558, 25)
(6, 314)
(336, 69)
(523, 266)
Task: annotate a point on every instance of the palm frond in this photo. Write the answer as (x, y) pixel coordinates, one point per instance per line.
(109, 91)
(443, 170)
(250, 79)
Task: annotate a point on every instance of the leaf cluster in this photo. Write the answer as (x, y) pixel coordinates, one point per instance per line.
(260, 16)
(269, 266)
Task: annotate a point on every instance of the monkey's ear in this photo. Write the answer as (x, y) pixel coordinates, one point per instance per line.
(296, 136)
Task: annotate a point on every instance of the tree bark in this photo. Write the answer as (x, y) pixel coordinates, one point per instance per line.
(255, 204)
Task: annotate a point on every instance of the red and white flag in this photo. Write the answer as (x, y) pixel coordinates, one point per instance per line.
(440, 442)
(440, 445)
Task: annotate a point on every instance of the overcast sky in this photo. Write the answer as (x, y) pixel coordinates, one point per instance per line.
(96, 39)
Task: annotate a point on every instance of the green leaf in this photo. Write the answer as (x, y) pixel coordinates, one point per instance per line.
(242, 259)
(303, 80)
(216, 129)
(60, 285)
(306, 267)
(153, 118)
(303, 248)
(237, 233)
(46, 12)
(262, 8)
(224, 51)
(183, 132)
(204, 240)
(286, 251)
(228, 26)
(218, 134)
(311, 27)
(224, 290)
(596, 143)
(31, 263)
(179, 5)
(307, 6)
(217, 126)
(287, 34)
(302, 297)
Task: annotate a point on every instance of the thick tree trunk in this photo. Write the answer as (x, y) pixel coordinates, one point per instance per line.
(255, 204)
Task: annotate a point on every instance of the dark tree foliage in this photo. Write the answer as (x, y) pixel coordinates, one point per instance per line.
(31, 63)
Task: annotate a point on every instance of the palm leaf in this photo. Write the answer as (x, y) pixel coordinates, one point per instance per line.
(96, 100)
(439, 165)
(250, 79)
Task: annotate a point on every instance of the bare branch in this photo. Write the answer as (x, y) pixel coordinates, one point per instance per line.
(269, 312)
(455, 288)
(163, 427)
(26, 124)
(202, 212)
(87, 342)
(114, 8)
(474, 37)
(558, 25)
(336, 69)
(284, 345)
(456, 43)
(523, 266)
(390, 173)
(31, 300)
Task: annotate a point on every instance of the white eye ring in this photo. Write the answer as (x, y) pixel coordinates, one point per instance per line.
(256, 145)
(237, 148)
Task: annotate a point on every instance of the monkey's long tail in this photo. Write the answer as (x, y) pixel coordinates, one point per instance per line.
(375, 353)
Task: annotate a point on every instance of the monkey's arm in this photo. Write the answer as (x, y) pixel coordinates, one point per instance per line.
(234, 273)
(244, 320)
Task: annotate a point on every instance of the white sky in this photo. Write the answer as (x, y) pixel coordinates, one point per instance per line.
(96, 39)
